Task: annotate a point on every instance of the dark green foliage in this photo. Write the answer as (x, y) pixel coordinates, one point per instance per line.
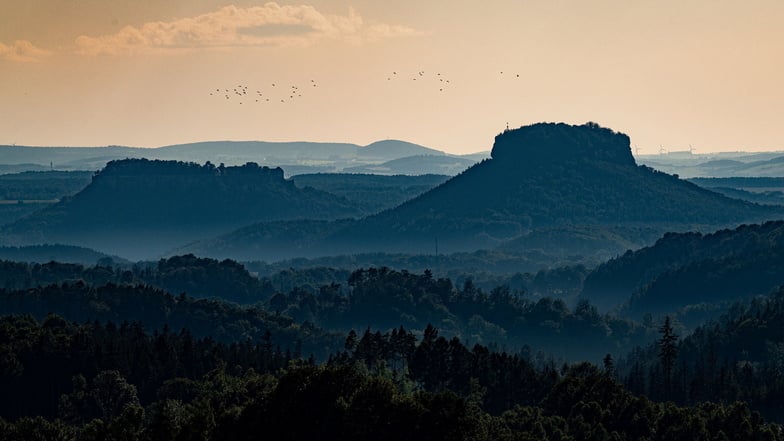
(45, 368)
(690, 269)
(155, 309)
(197, 277)
(340, 300)
(739, 357)
(340, 400)
(385, 299)
(668, 352)
(309, 279)
(22, 275)
(486, 267)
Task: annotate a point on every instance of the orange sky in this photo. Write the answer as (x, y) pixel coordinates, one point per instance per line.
(670, 73)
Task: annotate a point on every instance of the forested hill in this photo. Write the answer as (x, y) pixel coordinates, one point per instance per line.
(546, 175)
(690, 269)
(138, 207)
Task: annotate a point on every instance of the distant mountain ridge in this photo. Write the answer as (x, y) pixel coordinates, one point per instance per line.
(718, 165)
(300, 157)
(539, 176)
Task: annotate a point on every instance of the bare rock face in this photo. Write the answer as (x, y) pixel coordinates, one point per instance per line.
(547, 143)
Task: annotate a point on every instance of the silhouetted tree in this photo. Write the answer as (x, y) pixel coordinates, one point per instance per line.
(668, 352)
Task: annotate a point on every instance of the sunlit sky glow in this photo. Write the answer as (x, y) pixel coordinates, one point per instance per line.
(706, 73)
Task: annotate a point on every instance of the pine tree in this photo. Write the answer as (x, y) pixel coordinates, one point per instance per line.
(667, 354)
(609, 366)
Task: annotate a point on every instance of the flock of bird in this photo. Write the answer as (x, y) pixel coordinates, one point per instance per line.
(277, 93)
(443, 83)
(280, 94)
(440, 81)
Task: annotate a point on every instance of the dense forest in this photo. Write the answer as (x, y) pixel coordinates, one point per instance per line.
(737, 357)
(377, 297)
(127, 384)
(387, 349)
(691, 271)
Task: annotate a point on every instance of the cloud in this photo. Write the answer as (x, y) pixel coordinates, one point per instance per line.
(268, 25)
(22, 51)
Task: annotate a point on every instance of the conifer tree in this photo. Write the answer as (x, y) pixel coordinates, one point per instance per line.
(668, 352)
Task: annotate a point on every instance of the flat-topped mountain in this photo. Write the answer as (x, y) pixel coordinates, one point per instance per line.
(547, 175)
(539, 176)
(138, 207)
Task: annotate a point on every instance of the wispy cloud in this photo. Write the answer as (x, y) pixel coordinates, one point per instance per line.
(22, 51)
(268, 25)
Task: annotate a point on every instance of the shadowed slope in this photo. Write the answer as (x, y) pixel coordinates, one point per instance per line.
(139, 208)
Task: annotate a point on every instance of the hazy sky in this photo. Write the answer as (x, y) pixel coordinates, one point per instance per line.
(141, 73)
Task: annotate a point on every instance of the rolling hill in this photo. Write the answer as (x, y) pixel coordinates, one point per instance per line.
(691, 269)
(293, 157)
(56, 253)
(754, 189)
(718, 165)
